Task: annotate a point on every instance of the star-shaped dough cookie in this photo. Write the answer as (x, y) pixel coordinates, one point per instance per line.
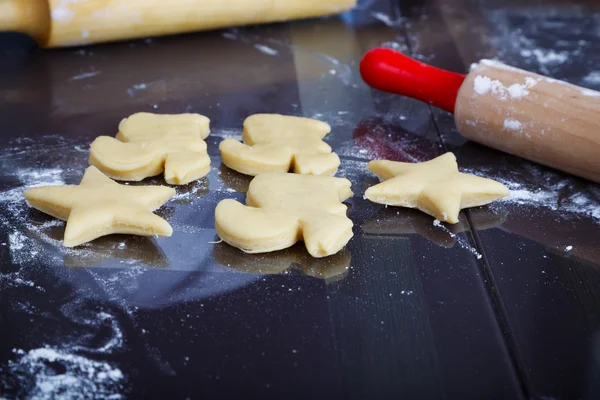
(284, 208)
(280, 143)
(435, 187)
(148, 144)
(99, 206)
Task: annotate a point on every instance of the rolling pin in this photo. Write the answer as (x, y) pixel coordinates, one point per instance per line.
(544, 120)
(61, 23)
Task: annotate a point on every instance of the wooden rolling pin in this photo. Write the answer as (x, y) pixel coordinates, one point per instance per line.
(58, 23)
(538, 118)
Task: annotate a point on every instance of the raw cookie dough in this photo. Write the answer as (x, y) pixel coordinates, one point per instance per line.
(280, 143)
(99, 206)
(435, 187)
(148, 144)
(283, 208)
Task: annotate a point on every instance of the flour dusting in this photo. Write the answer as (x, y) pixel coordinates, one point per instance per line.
(590, 93)
(64, 371)
(77, 378)
(85, 75)
(549, 190)
(512, 124)
(546, 56)
(266, 49)
(191, 191)
(387, 19)
(136, 88)
(484, 84)
(461, 241)
(228, 134)
(544, 39)
(592, 78)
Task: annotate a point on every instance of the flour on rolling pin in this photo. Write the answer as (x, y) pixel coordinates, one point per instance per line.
(535, 117)
(542, 119)
(76, 22)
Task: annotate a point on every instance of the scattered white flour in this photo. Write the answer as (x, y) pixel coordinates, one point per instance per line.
(484, 84)
(512, 124)
(229, 35)
(461, 242)
(546, 56)
(12, 200)
(266, 49)
(13, 279)
(381, 142)
(534, 45)
(593, 77)
(187, 193)
(78, 377)
(228, 134)
(136, 88)
(386, 19)
(61, 11)
(590, 93)
(401, 47)
(354, 171)
(551, 191)
(15, 208)
(124, 280)
(116, 341)
(85, 75)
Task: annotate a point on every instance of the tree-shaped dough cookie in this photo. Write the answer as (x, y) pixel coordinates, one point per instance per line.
(283, 208)
(99, 206)
(148, 144)
(435, 187)
(281, 143)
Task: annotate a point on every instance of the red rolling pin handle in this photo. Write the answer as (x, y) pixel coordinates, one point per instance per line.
(390, 71)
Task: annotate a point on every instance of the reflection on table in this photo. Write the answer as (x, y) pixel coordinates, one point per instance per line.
(132, 250)
(332, 268)
(404, 221)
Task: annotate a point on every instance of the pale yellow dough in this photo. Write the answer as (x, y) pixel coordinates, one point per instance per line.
(435, 187)
(283, 208)
(99, 206)
(148, 144)
(281, 143)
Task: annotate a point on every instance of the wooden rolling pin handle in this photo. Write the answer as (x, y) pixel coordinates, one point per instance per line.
(31, 17)
(390, 71)
(10, 16)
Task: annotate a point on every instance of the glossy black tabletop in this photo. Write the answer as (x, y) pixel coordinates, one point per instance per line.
(503, 305)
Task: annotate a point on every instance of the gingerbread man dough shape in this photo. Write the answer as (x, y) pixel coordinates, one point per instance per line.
(280, 143)
(148, 144)
(283, 208)
(99, 206)
(435, 187)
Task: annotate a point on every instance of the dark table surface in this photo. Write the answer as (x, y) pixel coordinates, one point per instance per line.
(504, 305)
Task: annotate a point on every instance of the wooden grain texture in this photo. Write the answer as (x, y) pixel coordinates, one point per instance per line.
(70, 23)
(391, 314)
(545, 294)
(541, 119)
(193, 327)
(26, 16)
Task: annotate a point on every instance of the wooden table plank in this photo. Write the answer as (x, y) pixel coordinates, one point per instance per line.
(543, 286)
(401, 328)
